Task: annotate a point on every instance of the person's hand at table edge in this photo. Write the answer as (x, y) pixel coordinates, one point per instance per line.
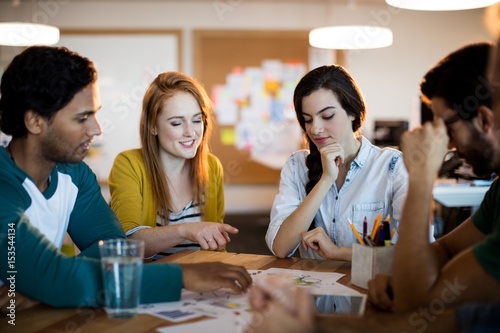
(380, 292)
(216, 275)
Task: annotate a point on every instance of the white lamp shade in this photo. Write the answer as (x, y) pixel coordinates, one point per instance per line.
(350, 37)
(439, 5)
(27, 34)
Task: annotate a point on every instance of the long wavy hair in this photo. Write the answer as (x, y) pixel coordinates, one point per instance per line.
(161, 89)
(336, 79)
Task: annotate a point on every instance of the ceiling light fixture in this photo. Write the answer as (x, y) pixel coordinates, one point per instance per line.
(27, 34)
(440, 5)
(349, 37)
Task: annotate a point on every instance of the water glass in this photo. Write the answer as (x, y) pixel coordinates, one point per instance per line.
(121, 262)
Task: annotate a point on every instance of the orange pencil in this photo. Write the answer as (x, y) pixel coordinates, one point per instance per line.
(355, 232)
(375, 226)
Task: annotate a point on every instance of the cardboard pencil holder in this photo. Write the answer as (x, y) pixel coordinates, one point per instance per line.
(368, 261)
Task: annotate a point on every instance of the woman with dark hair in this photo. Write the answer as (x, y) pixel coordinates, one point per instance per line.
(341, 177)
(173, 179)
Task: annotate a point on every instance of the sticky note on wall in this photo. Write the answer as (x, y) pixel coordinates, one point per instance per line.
(228, 136)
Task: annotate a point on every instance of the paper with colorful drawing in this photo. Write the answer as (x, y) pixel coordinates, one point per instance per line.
(318, 283)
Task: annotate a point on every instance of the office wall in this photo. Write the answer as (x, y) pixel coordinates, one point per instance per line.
(389, 77)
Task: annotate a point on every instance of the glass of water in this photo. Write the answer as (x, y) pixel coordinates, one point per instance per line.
(121, 262)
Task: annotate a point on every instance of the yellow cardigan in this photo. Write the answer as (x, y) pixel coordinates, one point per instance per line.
(132, 195)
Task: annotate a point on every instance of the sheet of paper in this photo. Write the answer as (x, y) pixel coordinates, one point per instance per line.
(177, 315)
(205, 326)
(318, 283)
(171, 311)
(221, 304)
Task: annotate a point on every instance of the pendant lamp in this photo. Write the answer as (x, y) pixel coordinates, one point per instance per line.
(349, 37)
(440, 5)
(27, 34)
(18, 33)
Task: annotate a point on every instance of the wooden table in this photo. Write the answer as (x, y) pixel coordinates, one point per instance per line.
(43, 318)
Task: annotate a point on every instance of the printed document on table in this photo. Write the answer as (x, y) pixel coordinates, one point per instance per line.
(205, 326)
(318, 283)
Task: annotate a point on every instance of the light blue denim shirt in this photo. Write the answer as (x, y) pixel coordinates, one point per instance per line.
(376, 183)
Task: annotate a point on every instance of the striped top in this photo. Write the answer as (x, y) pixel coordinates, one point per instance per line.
(190, 213)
